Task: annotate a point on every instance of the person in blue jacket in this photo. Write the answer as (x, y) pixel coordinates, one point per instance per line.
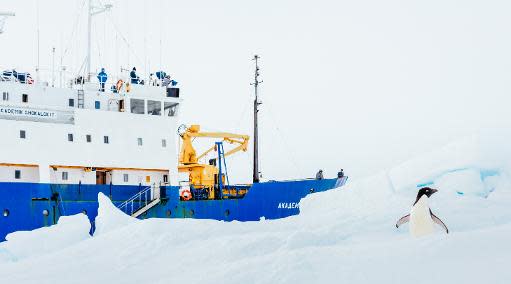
(102, 77)
(133, 75)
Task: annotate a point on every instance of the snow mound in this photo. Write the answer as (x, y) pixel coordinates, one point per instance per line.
(68, 231)
(109, 217)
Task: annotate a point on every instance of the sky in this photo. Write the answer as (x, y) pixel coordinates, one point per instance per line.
(359, 85)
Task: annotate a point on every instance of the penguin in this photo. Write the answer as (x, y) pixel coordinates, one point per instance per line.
(421, 218)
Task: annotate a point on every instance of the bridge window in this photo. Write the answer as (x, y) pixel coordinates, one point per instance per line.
(170, 108)
(88, 137)
(139, 140)
(165, 178)
(17, 174)
(106, 140)
(70, 137)
(154, 107)
(97, 105)
(126, 177)
(5, 96)
(71, 102)
(24, 98)
(137, 106)
(65, 175)
(23, 134)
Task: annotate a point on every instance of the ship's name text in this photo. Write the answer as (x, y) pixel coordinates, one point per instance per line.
(288, 205)
(27, 112)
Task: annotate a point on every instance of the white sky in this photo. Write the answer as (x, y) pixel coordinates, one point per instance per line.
(359, 85)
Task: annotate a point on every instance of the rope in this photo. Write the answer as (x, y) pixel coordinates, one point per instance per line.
(75, 28)
(242, 116)
(289, 149)
(130, 49)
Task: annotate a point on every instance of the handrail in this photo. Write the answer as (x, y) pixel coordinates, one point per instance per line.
(141, 196)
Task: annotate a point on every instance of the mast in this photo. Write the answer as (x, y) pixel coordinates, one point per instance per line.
(255, 177)
(91, 12)
(89, 30)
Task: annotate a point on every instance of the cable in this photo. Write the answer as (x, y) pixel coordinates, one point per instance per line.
(243, 114)
(75, 28)
(124, 39)
(289, 149)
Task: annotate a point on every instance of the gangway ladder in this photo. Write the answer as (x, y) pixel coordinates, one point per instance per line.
(81, 99)
(141, 202)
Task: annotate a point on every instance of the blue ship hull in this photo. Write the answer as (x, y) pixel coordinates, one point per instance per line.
(28, 206)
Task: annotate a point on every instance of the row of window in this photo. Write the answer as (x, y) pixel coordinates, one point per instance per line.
(5, 97)
(138, 106)
(65, 176)
(88, 139)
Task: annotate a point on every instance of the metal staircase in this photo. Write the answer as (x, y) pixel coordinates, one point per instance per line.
(139, 203)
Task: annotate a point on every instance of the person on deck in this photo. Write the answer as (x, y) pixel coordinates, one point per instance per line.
(166, 81)
(340, 174)
(102, 77)
(133, 75)
(319, 175)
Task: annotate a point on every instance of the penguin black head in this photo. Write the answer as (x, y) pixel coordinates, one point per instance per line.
(425, 191)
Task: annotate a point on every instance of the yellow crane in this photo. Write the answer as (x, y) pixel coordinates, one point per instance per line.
(204, 176)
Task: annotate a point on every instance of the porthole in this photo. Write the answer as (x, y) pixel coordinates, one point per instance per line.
(46, 212)
(6, 212)
(227, 213)
(169, 213)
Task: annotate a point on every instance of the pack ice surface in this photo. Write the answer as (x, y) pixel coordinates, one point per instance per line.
(341, 236)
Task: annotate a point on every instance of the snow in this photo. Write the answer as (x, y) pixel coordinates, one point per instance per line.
(345, 235)
(109, 217)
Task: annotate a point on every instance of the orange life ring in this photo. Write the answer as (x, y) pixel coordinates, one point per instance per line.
(119, 85)
(186, 194)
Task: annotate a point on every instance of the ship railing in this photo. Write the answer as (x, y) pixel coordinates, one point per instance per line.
(137, 201)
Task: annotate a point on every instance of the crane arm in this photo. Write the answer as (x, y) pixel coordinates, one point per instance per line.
(188, 154)
(218, 135)
(243, 146)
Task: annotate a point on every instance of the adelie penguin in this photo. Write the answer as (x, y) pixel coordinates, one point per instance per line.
(421, 218)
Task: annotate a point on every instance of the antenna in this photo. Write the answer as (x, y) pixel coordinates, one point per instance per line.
(53, 67)
(256, 83)
(3, 19)
(93, 10)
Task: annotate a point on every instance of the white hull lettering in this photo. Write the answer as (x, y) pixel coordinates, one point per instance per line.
(288, 205)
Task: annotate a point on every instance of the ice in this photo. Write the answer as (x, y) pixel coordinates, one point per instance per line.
(69, 230)
(109, 217)
(345, 235)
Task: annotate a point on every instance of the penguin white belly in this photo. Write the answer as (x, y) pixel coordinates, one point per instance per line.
(421, 223)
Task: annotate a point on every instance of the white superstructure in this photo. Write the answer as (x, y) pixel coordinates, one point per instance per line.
(80, 134)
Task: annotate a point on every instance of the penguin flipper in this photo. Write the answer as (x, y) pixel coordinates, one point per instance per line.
(438, 221)
(403, 220)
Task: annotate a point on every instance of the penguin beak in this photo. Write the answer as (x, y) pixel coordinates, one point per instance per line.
(434, 190)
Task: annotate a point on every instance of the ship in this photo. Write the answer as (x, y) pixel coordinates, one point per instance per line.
(60, 149)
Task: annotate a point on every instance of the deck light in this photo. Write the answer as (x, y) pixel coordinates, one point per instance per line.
(6, 212)
(46, 212)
